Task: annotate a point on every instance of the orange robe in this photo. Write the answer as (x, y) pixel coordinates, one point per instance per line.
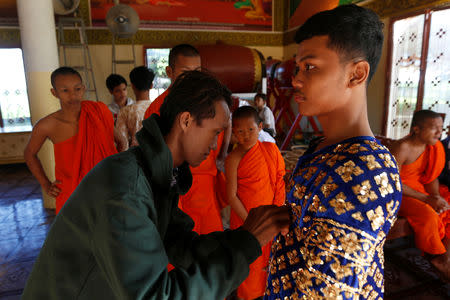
(429, 227)
(259, 182)
(76, 156)
(156, 105)
(201, 202)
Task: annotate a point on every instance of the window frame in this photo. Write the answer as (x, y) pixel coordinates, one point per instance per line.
(423, 59)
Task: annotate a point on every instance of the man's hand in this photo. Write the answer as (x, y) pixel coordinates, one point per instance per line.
(52, 189)
(264, 222)
(437, 203)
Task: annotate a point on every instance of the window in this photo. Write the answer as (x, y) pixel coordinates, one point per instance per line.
(14, 109)
(157, 59)
(419, 70)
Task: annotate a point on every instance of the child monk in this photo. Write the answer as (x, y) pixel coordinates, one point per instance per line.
(82, 133)
(421, 158)
(254, 176)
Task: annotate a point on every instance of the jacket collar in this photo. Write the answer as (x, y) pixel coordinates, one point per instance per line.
(158, 158)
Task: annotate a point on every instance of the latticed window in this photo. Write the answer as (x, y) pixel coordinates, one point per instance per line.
(420, 70)
(158, 59)
(14, 108)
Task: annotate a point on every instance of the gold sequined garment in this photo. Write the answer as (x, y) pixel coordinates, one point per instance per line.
(344, 200)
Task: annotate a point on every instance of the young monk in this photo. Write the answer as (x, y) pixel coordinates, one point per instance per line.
(81, 133)
(200, 203)
(254, 176)
(130, 117)
(421, 158)
(345, 190)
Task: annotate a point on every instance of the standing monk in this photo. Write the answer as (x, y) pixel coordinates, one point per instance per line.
(421, 158)
(82, 133)
(200, 203)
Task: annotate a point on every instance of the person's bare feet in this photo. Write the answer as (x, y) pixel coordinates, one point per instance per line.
(442, 263)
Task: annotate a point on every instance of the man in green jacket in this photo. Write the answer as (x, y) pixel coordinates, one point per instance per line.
(121, 227)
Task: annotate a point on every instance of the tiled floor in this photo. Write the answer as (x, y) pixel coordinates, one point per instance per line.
(24, 224)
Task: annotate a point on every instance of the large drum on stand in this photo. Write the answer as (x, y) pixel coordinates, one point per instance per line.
(238, 67)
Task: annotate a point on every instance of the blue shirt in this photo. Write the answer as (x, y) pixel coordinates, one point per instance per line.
(444, 178)
(344, 199)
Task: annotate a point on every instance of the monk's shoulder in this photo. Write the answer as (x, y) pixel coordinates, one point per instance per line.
(49, 122)
(402, 149)
(234, 158)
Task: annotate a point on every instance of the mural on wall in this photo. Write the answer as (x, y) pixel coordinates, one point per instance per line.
(301, 10)
(220, 14)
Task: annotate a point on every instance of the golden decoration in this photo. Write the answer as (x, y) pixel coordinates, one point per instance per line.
(357, 216)
(310, 173)
(396, 179)
(356, 148)
(281, 262)
(363, 192)
(319, 178)
(328, 187)
(371, 162)
(387, 160)
(340, 204)
(375, 146)
(384, 186)
(276, 285)
(299, 191)
(293, 257)
(285, 280)
(347, 170)
(376, 217)
(332, 161)
(350, 243)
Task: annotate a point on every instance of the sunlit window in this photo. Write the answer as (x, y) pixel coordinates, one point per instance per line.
(14, 108)
(420, 64)
(157, 60)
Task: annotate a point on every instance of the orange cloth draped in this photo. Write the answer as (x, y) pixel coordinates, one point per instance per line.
(76, 156)
(429, 227)
(259, 182)
(201, 203)
(156, 105)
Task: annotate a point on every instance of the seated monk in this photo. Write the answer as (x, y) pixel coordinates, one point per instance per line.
(421, 158)
(82, 133)
(254, 176)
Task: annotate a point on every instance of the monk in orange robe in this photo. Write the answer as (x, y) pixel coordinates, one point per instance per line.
(254, 176)
(421, 158)
(82, 133)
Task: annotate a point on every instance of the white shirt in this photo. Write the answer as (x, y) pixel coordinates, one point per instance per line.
(114, 107)
(265, 137)
(267, 118)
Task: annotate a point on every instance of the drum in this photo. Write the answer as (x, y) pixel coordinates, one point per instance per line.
(238, 67)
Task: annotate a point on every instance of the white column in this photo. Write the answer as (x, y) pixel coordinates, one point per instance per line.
(40, 53)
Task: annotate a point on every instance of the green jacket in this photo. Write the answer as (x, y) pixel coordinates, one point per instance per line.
(121, 227)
